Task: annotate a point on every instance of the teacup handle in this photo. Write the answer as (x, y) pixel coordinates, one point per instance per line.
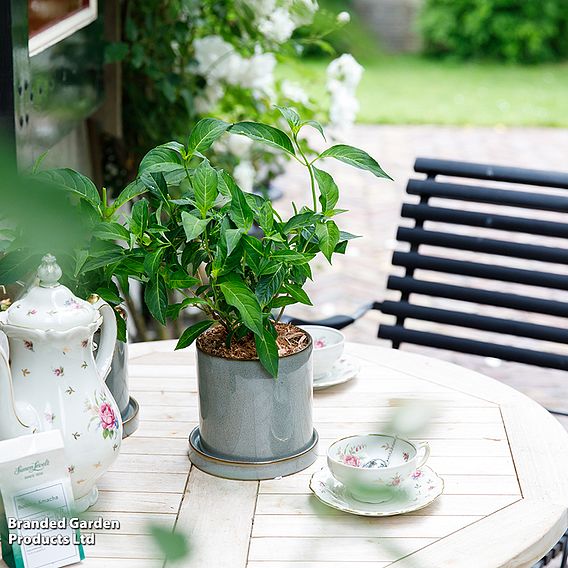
(426, 447)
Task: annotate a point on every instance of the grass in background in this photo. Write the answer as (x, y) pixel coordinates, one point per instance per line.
(410, 89)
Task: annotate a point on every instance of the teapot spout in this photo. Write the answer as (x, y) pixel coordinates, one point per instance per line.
(12, 422)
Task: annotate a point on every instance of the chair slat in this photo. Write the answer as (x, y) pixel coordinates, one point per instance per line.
(475, 321)
(471, 170)
(398, 334)
(424, 212)
(525, 199)
(410, 285)
(414, 260)
(488, 246)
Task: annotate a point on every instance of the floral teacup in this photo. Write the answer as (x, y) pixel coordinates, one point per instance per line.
(328, 347)
(373, 466)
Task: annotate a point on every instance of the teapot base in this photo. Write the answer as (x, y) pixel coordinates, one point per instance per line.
(88, 500)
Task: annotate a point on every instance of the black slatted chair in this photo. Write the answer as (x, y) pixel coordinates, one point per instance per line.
(495, 269)
(494, 264)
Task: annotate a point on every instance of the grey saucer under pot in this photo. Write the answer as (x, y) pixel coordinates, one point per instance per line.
(252, 426)
(117, 382)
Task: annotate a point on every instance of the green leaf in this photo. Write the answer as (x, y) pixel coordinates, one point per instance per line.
(161, 159)
(153, 261)
(139, 217)
(269, 285)
(300, 220)
(173, 546)
(282, 301)
(263, 133)
(298, 294)
(254, 252)
(120, 327)
(239, 210)
(239, 295)
(111, 232)
(131, 191)
(104, 258)
(156, 298)
(160, 187)
(267, 351)
(174, 309)
(291, 116)
(108, 295)
(205, 132)
(17, 265)
(292, 256)
(329, 192)
(232, 238)
(315, 124)
(355, 157)
(328, 237)
(80, 259)
(180, 279)
(266, 217)
(176, 146)
(193, 226)
(345, 236)
(192, 333)
(70, 180)
(205, 187)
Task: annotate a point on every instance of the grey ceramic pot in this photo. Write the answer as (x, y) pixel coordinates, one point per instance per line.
(246, 416)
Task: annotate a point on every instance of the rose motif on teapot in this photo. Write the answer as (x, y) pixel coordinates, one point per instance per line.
(103, 416)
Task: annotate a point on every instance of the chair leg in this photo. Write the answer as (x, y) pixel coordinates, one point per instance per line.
(564, 562)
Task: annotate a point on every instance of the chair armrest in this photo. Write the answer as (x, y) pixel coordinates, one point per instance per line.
(337, 321)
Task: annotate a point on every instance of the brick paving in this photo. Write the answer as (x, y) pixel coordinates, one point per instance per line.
(360, 276)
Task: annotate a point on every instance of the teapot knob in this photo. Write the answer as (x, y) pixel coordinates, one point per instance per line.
(49, 272)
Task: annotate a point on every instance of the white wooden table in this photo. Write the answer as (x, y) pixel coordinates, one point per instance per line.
(503, 458)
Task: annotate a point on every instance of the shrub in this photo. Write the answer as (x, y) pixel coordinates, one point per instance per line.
(523, 31)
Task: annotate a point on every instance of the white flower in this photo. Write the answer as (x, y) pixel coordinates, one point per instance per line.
(343, 18)
(294, 92)
(256, 73)
(216, 59)
(343, 108)
(343, 76)
(209, 97)
(344, 70)
(238, 145)
(302, 12)
(278, 26)
(244, 175)
(262, 7)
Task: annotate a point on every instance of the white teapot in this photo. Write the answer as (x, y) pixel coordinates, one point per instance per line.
(49, 377)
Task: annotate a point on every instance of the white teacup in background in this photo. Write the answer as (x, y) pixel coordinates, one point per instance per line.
(373, 466)
(328, 347)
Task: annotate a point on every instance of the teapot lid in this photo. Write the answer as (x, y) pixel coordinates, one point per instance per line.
(50, 305)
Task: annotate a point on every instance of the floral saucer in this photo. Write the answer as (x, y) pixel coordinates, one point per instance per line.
(342, 371)
(421, 489)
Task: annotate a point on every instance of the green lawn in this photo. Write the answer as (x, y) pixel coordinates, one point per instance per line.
(406, 89)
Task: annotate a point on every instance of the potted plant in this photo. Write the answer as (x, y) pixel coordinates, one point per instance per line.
(194, 226)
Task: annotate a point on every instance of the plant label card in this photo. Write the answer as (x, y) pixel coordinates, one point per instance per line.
(37, 501)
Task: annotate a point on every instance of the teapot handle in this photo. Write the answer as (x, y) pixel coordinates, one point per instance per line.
(107, 339)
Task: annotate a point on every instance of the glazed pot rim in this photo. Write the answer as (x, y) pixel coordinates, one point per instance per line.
(255, 360)
(370, 434)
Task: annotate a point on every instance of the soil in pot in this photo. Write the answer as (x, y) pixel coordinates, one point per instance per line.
(290, 340)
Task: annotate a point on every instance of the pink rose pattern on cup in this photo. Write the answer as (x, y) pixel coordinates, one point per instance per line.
(320, 342)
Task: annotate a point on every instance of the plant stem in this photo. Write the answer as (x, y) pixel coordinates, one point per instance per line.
(308, 165)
